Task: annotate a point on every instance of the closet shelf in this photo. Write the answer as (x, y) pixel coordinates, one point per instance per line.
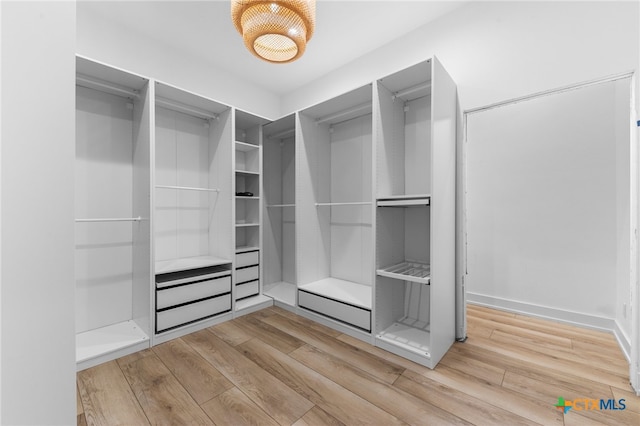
(341, 290)
(409, 334)
(244, 225)
(243, 146)
(242, 197)
(281, 205)
(247, 172)
(111, 219)
(357, 203)
(408, 271)
(185, 263)
(404, 200)
(187, 188)
(109, 339)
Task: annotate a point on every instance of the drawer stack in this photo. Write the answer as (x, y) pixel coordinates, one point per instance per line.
(247, 274)
(184, 297)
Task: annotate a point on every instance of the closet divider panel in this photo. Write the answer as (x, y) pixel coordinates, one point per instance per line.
(220, 177)
(443, 214)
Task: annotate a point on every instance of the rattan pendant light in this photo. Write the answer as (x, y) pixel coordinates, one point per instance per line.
(276, 31)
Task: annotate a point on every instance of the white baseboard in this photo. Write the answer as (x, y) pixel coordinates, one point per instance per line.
(554, 314)
(623, 341)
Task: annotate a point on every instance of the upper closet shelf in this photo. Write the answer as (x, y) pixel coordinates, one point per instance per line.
(187, 188)
(356, 203)
(404, 200)
(243, 146)
(185, 263)
(408, 271)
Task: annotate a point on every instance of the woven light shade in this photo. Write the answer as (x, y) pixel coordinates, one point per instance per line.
(276, 31)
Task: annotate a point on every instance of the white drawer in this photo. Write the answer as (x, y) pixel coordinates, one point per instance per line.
(350, 314)
(192, 312)
(189, 292)
(247, 259)
(247, 289)
(247, 274)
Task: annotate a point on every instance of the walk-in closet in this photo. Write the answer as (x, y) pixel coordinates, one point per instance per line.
(279, 228)
(334, 238)
(192, 199)
(112, 212)
(415, 213)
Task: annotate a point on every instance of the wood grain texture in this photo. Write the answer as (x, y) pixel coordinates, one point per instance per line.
(235, 408)
(107, 398)
(197, 376)
(161, 395)
(286, 369)
(276, 399)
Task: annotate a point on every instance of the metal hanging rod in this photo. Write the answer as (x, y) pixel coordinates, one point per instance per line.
(281, 135)
(105, 86)
(412, 89)
(186, 109)
(281, 205)
(358, 108)
(360, 203)
(187, 188)
(112, 219)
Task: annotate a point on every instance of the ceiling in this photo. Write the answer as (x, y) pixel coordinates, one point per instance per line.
(345, 30)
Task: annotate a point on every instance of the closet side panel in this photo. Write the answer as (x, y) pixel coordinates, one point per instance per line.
(443, 215)
(221, 176)
(351, 233)
(103, 188)
(142, 207)
(288, 213)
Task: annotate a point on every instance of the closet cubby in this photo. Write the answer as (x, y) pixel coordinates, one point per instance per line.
(334, 210)
(248, 137)
(415, 115)
(113, 213)
(193, 212)
(279, 229)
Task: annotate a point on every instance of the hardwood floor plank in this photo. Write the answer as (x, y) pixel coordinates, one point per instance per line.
(479, 330)
(567, 330)
(469, 408)
(632, 401)
(161, 396)
(317, 416)
(532, 410)
(278, 400)
(398, 403)
(232, 407)
(549, 394)
(284, 342)
(525, 334)
(128, 359)
(230, 332)
(609, 352)
(474, 367)
(344, 405)
(79, 408)
(365, 361)
(81, 420)
(194, 373)
(107, 398)
(482, 310)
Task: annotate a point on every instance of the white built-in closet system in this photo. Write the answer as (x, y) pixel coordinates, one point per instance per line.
(191, 212)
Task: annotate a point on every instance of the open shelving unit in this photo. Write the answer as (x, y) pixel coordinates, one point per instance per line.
(334, 211)
(192, 220)
(113, 211)
(279, 231)
(415, 212)
(248, 269)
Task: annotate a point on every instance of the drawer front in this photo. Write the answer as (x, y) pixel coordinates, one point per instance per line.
(190, 292)
(247, 289)
(247, 274)
(192, 312)
(247, 259)
(349, 314)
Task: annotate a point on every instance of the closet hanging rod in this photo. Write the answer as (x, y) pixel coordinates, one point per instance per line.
(105, 86)
(186, 109)
(281, 135)
(358, 108)
(111, 219)
(187, 188)
(281, 205)
(359, 203)
(412, 89)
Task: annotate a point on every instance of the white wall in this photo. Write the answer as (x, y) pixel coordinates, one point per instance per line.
(38, 150)
(106, 42)
(500, 50)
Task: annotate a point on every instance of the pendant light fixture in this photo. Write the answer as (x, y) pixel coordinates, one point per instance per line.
(275, 31)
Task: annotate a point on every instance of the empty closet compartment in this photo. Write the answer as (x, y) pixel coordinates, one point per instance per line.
(192, 181)
(187, 296)
(112, 210)
(335, 210)
(403, 133)
(279, 230)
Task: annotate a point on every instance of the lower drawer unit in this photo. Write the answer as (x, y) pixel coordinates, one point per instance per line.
(247, 289)
(185, 314)
(349, 314)
(247, 274)
(184, 293)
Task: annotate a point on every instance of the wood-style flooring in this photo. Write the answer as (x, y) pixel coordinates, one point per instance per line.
(273, 367)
